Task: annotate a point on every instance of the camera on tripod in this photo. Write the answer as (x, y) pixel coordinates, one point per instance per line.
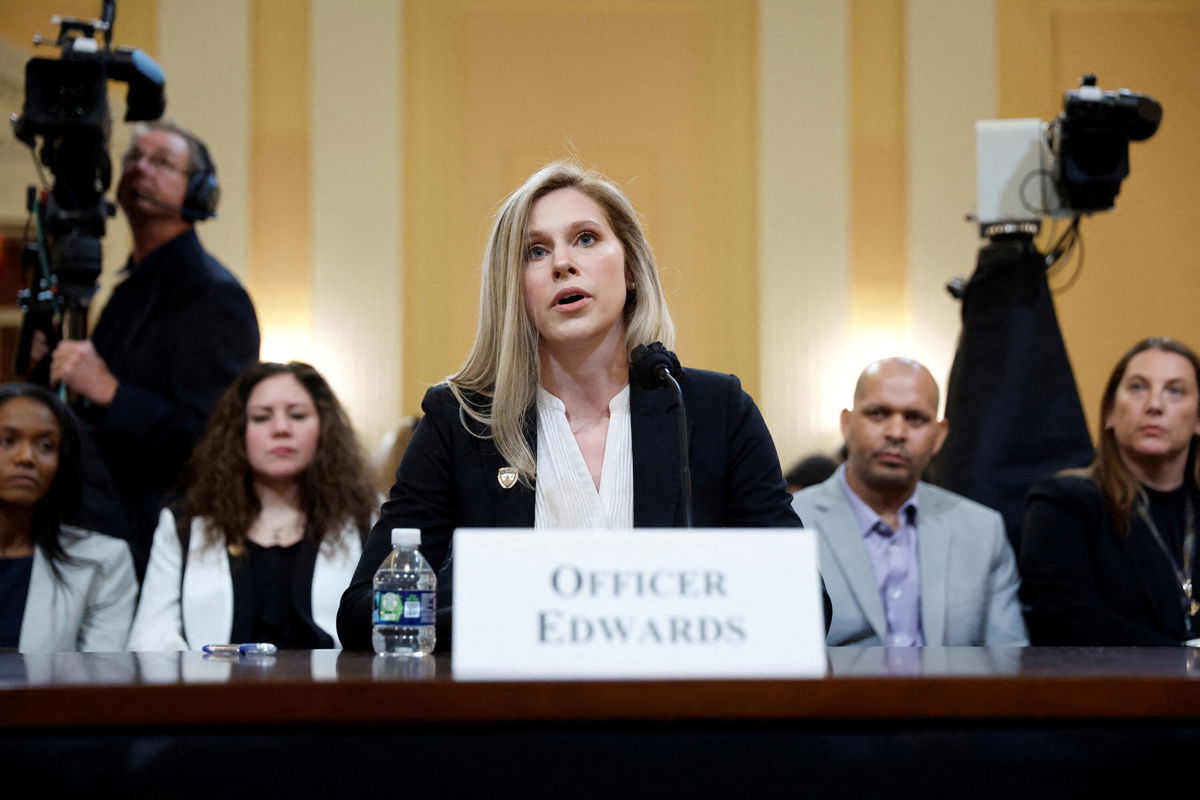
(66, 109)
(1028, 169)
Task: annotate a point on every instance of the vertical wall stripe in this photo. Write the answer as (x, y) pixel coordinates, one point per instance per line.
(205, 51)
(1025, 58)
(137, 24)
(878, 196)
(950, 85)
(803, 222)
(356, 143)
(281, 249)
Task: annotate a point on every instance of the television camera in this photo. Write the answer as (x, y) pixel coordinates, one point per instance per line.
(1027, 169)
(66, 110)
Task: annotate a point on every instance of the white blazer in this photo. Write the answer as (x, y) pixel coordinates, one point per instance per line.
(205, 610)
(90, 607)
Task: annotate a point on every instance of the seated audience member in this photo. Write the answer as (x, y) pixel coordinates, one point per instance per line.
(809, 472)
(61, 588)
(907, 563)
(1109, 552)
(549, 423)
(271, 525)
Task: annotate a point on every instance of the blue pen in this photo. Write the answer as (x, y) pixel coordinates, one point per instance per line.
(253, 649)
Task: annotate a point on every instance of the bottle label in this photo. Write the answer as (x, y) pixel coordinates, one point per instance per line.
(408, 607)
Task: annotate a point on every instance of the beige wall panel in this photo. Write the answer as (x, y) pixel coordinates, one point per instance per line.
(356, 145)
(658, 96)
(878, 174)
(205, 50)
(16, 165)
(803, 222)
(951, 57)
(280, 249)
(21, 19)
(1140, 268)
(1025, 46)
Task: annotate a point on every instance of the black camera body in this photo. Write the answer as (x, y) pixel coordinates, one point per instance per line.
(1027, 169)
(66, 108)
(1091, 137)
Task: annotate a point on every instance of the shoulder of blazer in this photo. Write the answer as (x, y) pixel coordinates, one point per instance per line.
(822, 497)
(442, 408)
(705, 393)
(706, 384)
(936, 500)
(1077, 492)
(1066, 485)
(82, 544)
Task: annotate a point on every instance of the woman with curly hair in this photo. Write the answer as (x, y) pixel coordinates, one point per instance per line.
(266, 537)
(61, 588)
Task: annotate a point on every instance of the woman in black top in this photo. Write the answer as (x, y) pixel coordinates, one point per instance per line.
(1109, 554)
(271, 526)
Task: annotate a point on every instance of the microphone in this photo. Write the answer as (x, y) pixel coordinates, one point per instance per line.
(651, 366)
(185, 212)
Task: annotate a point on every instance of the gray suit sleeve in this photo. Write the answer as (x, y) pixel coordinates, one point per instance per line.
(1005, 623)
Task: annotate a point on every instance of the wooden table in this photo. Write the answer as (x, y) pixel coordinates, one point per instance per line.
(918, 722)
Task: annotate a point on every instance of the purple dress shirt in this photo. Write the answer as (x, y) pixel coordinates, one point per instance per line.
(893, 556)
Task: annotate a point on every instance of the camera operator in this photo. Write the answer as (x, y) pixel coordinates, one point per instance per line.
(176, 331)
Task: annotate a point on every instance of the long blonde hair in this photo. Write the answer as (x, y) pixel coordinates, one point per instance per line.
(497, 383)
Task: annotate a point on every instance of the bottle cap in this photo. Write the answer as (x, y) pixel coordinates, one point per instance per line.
(407, 537)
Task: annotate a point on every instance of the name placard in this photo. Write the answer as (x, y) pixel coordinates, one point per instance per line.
(650, 603)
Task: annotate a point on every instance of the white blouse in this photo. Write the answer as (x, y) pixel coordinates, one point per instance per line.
(566, 495)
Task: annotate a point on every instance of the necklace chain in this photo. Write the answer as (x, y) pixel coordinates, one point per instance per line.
(276, 532)
(1183, 571)
(587, 424)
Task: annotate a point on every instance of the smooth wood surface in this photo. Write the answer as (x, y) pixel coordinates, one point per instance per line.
(160, 689)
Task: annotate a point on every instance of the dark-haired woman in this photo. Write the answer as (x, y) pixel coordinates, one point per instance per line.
(1109, 554)
(271, 526)
(61, 588)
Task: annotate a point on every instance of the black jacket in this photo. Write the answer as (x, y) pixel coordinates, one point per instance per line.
(175, 333)
(448, 479)
(1085, 585)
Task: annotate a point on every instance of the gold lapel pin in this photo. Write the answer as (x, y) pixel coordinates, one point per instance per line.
(507, 476)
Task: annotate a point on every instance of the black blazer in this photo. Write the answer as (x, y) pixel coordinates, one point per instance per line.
(1085, 585)
(448, 479)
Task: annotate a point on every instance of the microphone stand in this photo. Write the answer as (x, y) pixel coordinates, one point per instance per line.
(685, 469)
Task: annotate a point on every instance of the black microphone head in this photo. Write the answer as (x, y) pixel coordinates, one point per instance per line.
(646, 361)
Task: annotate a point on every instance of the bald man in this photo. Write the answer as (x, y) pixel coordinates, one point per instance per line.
(907, 563)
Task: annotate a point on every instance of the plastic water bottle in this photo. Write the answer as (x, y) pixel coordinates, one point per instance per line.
(405, 599)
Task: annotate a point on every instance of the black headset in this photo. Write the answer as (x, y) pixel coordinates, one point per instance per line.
(203, 191)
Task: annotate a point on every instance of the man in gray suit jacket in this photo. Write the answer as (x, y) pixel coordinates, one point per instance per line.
(907, 563)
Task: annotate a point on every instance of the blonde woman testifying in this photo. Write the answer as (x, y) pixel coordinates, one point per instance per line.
(547, 425)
